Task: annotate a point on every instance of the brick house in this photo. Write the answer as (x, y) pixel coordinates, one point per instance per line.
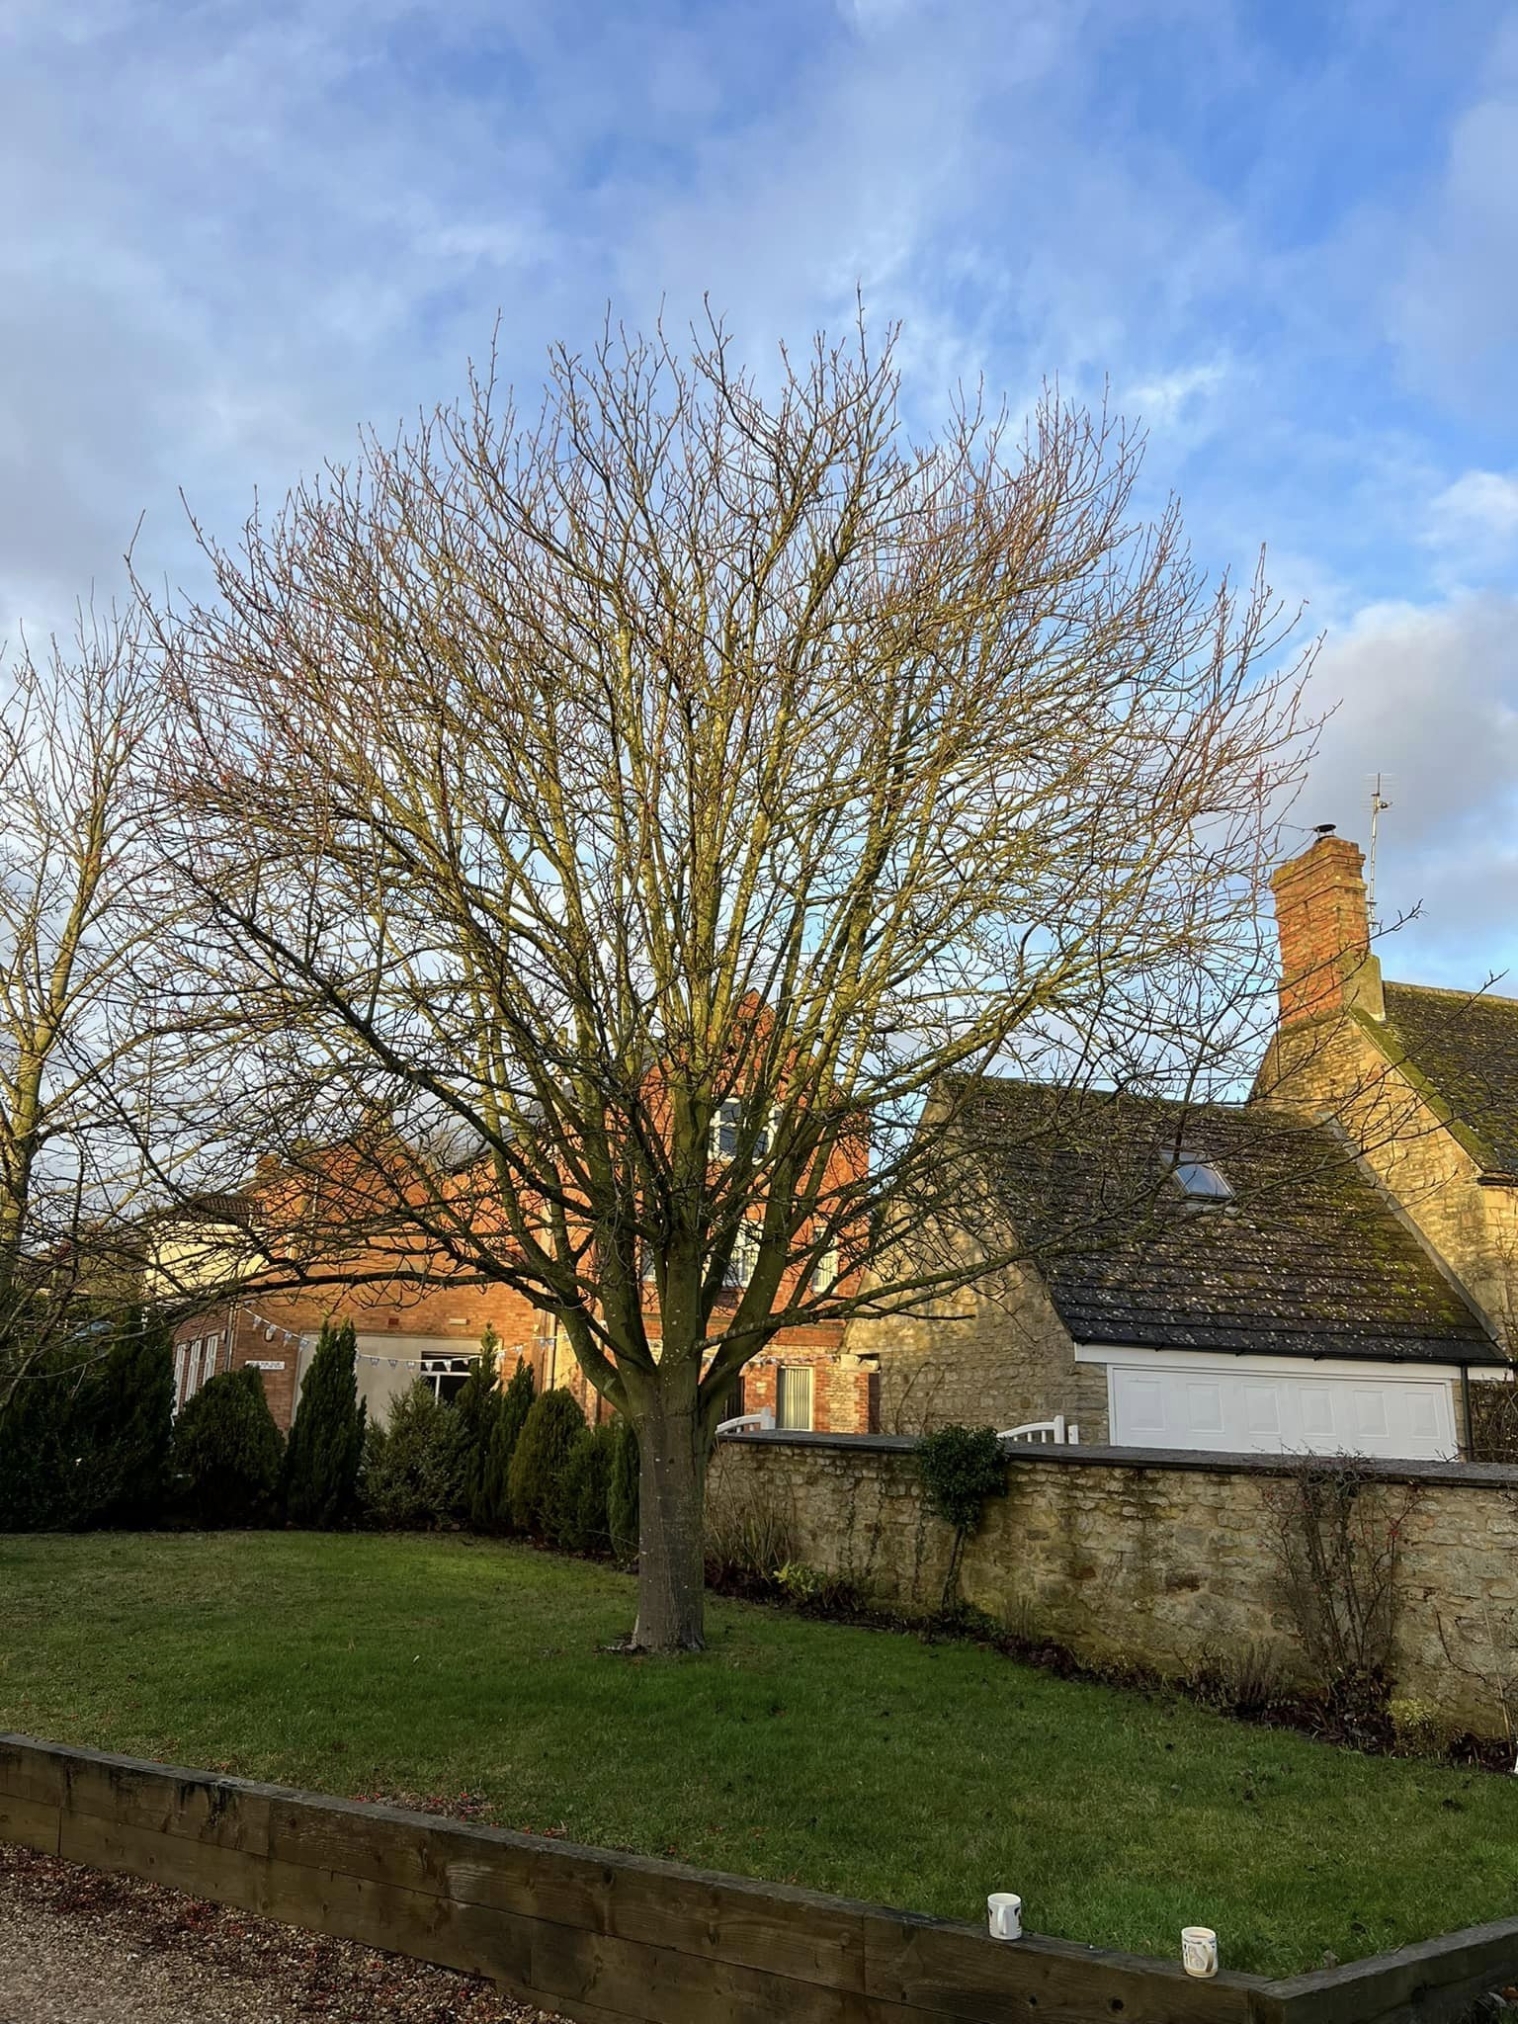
(427, 1324)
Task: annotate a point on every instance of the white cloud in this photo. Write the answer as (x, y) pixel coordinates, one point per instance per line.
(1456, 308)
(1428, 697)
(1474, 523)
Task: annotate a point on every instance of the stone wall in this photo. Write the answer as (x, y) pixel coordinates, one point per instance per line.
(1162, 1559)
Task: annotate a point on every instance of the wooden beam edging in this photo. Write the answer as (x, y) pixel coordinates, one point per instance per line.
(609, 1938)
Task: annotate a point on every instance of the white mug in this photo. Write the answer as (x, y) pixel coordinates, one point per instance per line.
(1004, 1915)
(1199, 1950)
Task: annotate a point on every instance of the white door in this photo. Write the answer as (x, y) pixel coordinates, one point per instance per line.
(1240, 1409)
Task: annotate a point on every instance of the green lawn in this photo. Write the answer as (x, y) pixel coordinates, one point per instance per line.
(856, 1761)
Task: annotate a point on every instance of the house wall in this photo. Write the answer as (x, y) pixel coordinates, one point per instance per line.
(267, 1330)
(995, 1353)
(1332, 1056)
(1337, 1068)
(1154, 1558)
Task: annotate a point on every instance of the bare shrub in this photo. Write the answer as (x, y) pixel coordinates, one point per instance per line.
(750, 1528)
(1337, 1533)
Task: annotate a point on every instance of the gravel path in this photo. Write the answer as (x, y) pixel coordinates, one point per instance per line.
(80, 1947)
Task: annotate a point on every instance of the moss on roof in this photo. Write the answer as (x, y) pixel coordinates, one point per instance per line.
(1306, 1259)
(1464, 1045)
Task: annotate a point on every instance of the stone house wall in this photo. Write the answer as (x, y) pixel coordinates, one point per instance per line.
(1162, 1559)
(1337, 1068)
(995, 1351)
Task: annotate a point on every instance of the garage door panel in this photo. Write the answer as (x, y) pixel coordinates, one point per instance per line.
(1145, 1404)
(1316, 1412)
(1370, 1412)
(1247, 1411)
(1204, 1408)
(1262, 1410)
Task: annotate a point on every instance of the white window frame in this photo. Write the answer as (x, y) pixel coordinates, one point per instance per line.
(825, 1273)
(728, 1117)
(447, 1365)
(744, 1255)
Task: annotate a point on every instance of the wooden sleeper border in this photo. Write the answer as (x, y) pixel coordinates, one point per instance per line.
(607, 1938)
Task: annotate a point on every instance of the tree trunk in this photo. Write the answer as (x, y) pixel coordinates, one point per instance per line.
(671, 1543)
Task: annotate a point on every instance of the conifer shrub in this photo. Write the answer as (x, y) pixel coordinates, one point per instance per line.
(327, 1441)
(580, 1520)
(130, 1405)
(227, 1453)
(413, 1466)
(491, 1511)
(622, 1491)
(537, 1468)
(477, 1408)
(42, 1470)
(84, 1439)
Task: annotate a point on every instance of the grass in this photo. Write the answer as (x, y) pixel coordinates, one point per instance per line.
(859, 1762)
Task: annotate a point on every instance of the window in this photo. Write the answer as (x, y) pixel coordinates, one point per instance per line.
(745, 1256)
(723, 1134)
(793, 1397)
(445, 1376)
(213, 1344)
(825, 1272)
(1199, 1180)
(725, 1126)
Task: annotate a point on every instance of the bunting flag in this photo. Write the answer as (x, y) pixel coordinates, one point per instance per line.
(272, 1328)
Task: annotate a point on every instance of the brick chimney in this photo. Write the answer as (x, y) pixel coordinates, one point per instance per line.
(1322, 920)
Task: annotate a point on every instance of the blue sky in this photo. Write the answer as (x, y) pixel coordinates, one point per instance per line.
(1285, 235)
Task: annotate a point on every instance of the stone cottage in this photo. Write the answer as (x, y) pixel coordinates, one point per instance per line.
(1218, 1276)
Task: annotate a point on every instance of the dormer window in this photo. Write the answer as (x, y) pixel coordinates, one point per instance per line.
(1199, 1180)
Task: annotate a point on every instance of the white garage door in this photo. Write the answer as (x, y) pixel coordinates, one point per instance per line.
(1377, 1410)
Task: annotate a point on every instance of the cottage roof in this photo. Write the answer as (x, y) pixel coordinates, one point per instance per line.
(1297, 1255)
(1464, 1046)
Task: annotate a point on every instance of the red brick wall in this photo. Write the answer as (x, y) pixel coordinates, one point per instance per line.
(266, 1329)
(1324, 929)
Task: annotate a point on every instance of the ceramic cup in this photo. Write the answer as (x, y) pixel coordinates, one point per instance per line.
(1199, 1950)
(1004, 1915)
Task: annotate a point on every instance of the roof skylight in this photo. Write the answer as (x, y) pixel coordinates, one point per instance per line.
(1199, 1179)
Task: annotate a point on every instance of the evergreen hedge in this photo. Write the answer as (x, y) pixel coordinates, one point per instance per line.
(622, 1491)
(579, 1506)
(84, 1439)
(413, 1466)
(491, 1511)
(537, 1467)
(327, 1441)
(477, 1408)
(227, 1453)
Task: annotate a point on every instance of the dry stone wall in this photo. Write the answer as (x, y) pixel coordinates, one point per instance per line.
(1155, 1558)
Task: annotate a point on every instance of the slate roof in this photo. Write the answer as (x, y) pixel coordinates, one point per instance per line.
(1307, 1259)
(1464, 1045)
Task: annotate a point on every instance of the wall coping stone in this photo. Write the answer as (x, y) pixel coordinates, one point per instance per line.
(1454, 1475)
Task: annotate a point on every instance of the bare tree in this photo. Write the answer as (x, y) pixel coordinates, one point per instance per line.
(75, 915)
(624, 824)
